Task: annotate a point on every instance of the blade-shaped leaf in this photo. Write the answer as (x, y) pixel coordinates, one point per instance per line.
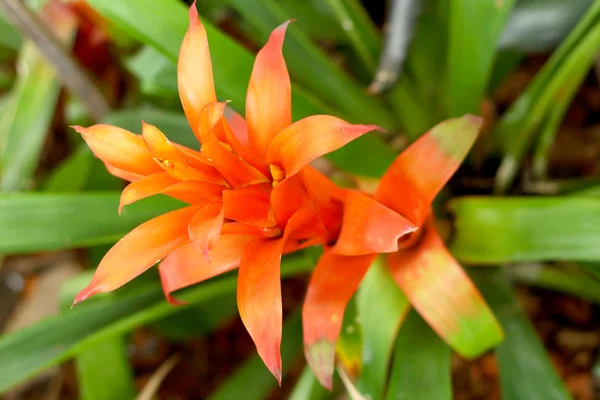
(532, 229)
(382, 308)
(253, 380)
(59, 338)
(34, 222)
(474, 29)
(525, 370)
(308, 387)
(421, 366)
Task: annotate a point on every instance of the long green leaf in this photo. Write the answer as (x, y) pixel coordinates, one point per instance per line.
(504, 230)
(232, 65)
(421, 366)
(104, 371)
(59, 338)
(308, 387)
(9, 38)
(253, 380)
(525, 370)
(73, 173)
(475, 27)
(34, 222)
(381, 309)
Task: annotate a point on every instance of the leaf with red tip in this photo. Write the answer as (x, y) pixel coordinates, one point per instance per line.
(176, 162)
(205, 228)
(269, 98)
(185, 266)
(139, 250)
(441, 291)
(411, 183)
(194, 71)
(146, 187)
(259, 293)
(310, 138)
(369, 227)
(332, 284)
(249, 205)
(120, 148)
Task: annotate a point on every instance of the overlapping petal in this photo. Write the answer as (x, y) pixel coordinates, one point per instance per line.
(423, 169)
(185, 266)
(443, 294)
(249, 205)
(194, 71)
(310, 138)
(205, 226)
(146, 187)
(139, 250)
(369, 227)
(269, 97)
(119, 148)
(334, 281)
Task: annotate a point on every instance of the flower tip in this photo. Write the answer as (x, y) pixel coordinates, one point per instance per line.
(193, 14)
(320, 356)
(174, 301)
(79, 129)
(474, 119)
(85, 294)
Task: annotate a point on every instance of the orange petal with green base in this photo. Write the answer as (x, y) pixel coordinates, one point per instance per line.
(441, 291)
(418, 174)
(259, 294)
(369, 227)
(269, 98)
(120, 148)
(145, 187)
(334, 281)
(205, 228)
(185, 266)
(176, 162)
(139, 250)
(194, 71)
(310, 138)
(249, 205)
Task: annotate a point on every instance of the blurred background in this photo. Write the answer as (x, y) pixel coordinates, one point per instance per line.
(531, 240)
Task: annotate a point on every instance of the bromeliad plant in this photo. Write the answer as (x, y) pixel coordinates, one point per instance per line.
(252, 197)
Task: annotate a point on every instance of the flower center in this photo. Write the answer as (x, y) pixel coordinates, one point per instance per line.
(277, 173)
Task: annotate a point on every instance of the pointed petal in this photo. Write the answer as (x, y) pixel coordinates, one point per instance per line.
(145, 187)
(259, 294)
(249, 205)
(176, 162)
(125, 175)
(185, 266)
(139, 250)
(333, 282)
(238, 228)
(310, 138)
(243, 151)
(441, 291)
(269, 99)
(238, 125)
(194, 71)
(423, 169)
(288, 197)
(210, 116)
(205, 228)
(369, 227)
(194, 192)
(120, 148)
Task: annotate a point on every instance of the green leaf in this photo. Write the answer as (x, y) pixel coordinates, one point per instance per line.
(35, 222)
(308, 387)
(253, 380)
(348, 347)
(553, 98)
(360, 30)
(421, 366)
(381, 308)
(232, 65)
(504, 230)
(475, 28)
(59, 338)
(525, 370)
(540, 25)
(104, 371)
(312, 68)
(24, 125)
(72, 174)
(158, 74)
(570, 279)
(314, 18)
(10, 38)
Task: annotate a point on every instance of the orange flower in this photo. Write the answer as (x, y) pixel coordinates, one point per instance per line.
(426, 272)
(251, 194)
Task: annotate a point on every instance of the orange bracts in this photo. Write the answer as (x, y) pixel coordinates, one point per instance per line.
(428, 275)
(251, 194)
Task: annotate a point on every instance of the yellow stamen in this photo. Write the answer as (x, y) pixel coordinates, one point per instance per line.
(277, 173)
